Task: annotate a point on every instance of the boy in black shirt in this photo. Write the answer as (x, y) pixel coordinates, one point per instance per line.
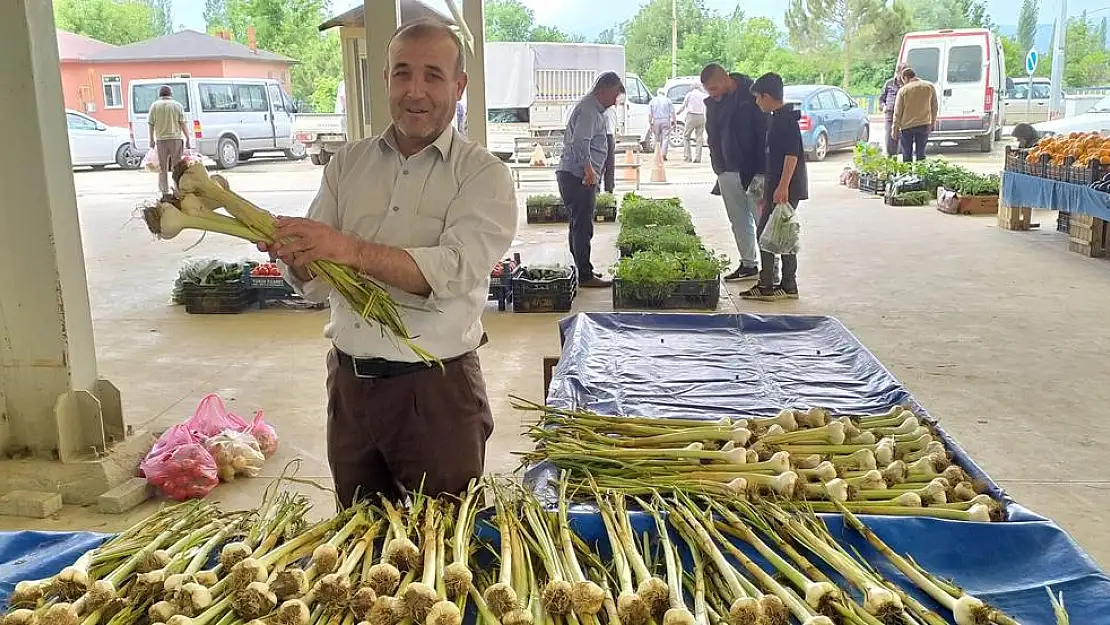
(786, 183)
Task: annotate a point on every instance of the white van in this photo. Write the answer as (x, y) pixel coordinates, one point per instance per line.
(968, 69)
(231, 118)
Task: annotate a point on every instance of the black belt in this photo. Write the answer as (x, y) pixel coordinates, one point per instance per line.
(372, 368)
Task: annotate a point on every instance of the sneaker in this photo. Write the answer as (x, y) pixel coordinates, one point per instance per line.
(790, 290)
(743, 273)
(763, 294)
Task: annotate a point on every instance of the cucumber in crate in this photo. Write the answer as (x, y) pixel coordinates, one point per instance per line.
(544, 288)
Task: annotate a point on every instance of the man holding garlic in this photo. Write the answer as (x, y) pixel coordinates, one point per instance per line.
(426, 213)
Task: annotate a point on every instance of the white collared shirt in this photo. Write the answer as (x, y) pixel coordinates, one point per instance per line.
(451, 206)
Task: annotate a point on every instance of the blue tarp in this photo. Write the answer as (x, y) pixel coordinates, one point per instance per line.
(712, 365)
(1035, 192)
(706, 366)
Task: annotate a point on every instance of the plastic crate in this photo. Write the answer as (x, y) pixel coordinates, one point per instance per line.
(552, 295)
(1062, 220)
(1085, 174)
(550, 214)
(605, 214)
(1015, 160)
(684, 294)
(219, 299)
(872, 184)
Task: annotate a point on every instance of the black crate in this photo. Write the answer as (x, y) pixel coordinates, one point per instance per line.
(605, 214)
(1085, 174)
(220, 299)
(1063, 218)
(553, 295)
(871, 184)
(684, 294)
(551, 214)
(1016, 160)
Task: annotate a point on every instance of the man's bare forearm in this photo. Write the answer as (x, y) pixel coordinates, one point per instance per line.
(390, 265)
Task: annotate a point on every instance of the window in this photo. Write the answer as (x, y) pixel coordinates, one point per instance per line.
(925, 62)
(217, 98)
(276, 99)
(142, 96)
(180, 75)
(842, 100)
(252, 98)
(965, 64)
(113, 92)
(677, 93)
(823, 101)
(1041, 91)
(78, 122)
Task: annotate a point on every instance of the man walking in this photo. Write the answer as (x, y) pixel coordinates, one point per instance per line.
(694, 107)
(169, 135)
(886, 105)
(662, 121)
(585, 148)
(737, 132)
(915, 114)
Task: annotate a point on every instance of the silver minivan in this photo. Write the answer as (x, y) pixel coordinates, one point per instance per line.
(231, 119)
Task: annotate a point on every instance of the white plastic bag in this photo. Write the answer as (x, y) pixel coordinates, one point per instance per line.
(150, 161)
(781, 234)
(236, 453)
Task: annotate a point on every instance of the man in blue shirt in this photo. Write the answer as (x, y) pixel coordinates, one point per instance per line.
(662, 121)
(585, 146)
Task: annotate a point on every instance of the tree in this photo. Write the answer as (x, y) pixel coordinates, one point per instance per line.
(1088, 62)
(1102, 32)
(1027, 25)
(508, 20)
(843, 21)
(118, 22)
(215, 13)
(161, 16)
(606, 36)
(974, 12)
(647, 36)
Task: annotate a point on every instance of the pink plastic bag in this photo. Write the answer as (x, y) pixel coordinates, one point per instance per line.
(179, 466)
(265, 434)
(211, 418)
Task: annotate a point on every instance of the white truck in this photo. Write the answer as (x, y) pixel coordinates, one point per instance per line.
(530, 90)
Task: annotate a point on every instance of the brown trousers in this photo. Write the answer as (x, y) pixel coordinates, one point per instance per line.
(423, 430)
(170, 152)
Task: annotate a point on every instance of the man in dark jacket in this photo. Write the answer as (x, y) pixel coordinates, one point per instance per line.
(886, 105)
(737, 132)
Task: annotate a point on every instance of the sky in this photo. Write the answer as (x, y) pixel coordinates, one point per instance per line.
(589, 17)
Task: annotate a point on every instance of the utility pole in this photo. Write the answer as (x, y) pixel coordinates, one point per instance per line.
(674, 38)
(1056, 104)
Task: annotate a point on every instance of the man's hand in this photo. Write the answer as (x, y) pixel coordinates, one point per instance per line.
(782, 195)
(304, 241)
(894, 133)
(590, 177)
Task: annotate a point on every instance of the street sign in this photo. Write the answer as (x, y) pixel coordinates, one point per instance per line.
(1031, 61)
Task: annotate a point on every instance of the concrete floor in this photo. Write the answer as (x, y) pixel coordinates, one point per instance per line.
(998, 333)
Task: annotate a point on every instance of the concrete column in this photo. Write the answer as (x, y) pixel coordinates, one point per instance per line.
(382, 19)
(352, 85)
(476, 115)
(52, 404)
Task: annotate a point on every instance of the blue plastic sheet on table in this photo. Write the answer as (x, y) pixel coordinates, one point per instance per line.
(702, 366)
(38, 555)
(708, 366)
(1035, 192)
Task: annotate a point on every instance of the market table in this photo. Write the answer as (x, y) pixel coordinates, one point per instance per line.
(697, 365)
(1036, 192)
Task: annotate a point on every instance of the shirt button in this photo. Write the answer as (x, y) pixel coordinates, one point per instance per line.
(396, 208)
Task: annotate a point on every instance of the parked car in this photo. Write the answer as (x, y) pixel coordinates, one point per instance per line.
(831, 120)
(1020, 108)
(1096, 119)
(231, 118)
(968, 70)
(95, 144)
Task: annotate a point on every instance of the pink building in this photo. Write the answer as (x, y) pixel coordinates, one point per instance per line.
(95, 75)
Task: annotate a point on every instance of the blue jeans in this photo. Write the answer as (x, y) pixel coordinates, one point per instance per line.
(913, 143)
(741, 214)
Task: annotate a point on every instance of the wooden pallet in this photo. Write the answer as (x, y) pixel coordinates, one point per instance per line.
(1087, 236)
(1014, 217)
